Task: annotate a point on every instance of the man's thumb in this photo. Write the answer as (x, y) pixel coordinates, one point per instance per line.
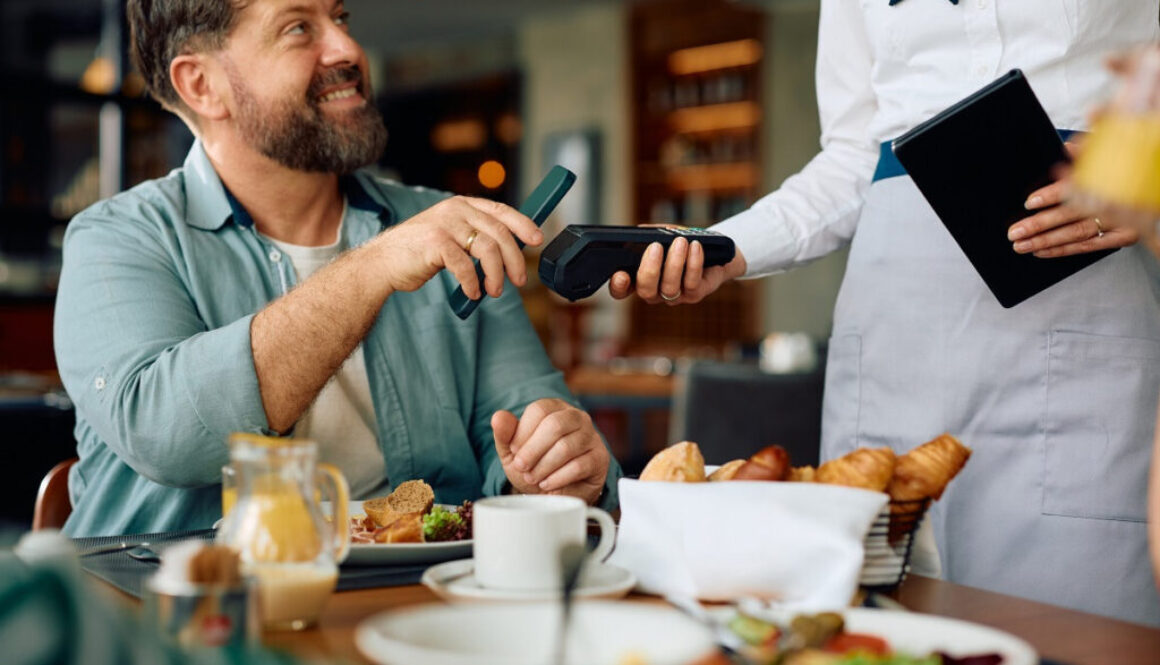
(503, 426)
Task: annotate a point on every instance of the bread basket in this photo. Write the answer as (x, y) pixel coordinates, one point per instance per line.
(888, 545)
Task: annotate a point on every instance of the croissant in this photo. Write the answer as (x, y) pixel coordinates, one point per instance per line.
(680, 462)
(868, 468)
(727, 470)
(925, 471)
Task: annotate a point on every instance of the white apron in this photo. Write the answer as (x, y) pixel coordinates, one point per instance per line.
(1057, 397)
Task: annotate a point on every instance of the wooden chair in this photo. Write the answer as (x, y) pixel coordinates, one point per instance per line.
(53, 505)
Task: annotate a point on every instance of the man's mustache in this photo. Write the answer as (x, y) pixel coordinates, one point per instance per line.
(334, 77)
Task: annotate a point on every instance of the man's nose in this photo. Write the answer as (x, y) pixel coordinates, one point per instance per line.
(340, 48)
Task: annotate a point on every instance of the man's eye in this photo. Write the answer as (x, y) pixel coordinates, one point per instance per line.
(297, 29)
(342, 19)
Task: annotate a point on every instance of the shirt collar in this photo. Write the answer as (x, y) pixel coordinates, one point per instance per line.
(210, 204)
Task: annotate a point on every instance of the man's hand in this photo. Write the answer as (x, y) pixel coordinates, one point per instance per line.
(681, 277)
(552, 449)
(1063, 228)
(448, 235)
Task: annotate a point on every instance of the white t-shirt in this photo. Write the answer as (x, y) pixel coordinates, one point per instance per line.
(342, 418)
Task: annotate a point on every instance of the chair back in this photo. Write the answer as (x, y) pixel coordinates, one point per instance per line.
(53, 504)
(732, 410)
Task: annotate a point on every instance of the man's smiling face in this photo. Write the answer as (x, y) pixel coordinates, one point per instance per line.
(301, 94)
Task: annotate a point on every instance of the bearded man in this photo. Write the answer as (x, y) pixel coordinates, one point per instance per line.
(271, 286)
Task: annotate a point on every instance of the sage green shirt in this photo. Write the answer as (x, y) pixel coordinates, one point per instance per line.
(152, 334)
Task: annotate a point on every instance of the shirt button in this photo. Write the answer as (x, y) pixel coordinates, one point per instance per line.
(99, 384)
(981, 71)
(982, 4)
(275, 255)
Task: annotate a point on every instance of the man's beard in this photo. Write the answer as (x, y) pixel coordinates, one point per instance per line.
(301, 137)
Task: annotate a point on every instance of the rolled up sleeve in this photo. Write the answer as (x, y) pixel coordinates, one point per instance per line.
(157, 386)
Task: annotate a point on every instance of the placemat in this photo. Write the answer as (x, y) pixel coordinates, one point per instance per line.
(129, 574)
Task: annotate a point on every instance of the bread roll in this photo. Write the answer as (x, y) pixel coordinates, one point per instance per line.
(868, 468)
(406, 529)
(727, 470)
(802, 474)
(923, 473)
(681, 462)
(413, 497)
(769, 463)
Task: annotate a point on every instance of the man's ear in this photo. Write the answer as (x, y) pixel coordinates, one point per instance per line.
(197, 86)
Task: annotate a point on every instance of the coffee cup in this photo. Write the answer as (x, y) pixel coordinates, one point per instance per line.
(518, 538)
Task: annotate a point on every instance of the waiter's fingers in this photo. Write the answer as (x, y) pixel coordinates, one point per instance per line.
(648, 274)
(1032, 229)
(1112, 239)
(674, 269)
(694, 268)
(1046, 196)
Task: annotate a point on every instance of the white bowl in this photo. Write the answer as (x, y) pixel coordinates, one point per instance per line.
(600, 633)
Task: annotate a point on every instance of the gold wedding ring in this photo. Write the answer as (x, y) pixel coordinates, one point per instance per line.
(667, 298)
(1099, 227)
(475, 234)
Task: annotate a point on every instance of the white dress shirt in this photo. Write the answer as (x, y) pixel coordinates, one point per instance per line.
(883, 69)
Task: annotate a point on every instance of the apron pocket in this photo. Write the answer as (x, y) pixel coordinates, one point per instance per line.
(1098, 425)
(842, 404)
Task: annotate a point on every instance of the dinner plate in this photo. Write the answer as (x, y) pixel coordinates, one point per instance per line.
(919, 634)
(455, 580)
(601, 632)
(382, 554)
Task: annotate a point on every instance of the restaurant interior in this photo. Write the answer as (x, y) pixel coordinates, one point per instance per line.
(669, 111)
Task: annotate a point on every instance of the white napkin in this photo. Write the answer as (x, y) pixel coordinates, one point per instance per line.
(797, 544)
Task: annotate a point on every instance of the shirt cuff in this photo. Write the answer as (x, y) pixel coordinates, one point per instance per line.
(768, 244)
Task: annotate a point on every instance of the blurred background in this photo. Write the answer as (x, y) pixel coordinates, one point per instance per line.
(681, 111)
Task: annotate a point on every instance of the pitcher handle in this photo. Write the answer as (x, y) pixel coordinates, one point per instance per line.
(337, 492)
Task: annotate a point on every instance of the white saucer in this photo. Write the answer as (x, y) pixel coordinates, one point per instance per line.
(455, 580)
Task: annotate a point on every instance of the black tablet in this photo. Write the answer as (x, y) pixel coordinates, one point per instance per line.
(976, 163)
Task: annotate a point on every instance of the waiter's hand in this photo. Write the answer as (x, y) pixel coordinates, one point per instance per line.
(681, 277)
(552, 449)
(1063, 228)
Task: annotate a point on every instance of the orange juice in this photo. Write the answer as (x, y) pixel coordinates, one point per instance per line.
(292, 596)
(1120, 161)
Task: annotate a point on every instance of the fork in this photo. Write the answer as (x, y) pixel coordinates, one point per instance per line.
(106, 549)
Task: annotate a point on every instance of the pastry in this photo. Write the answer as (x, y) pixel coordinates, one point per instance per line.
(923, 473)
(727, 470)
(867, 468)
(681, 462)
(405, 529)
(802, 474)
(411, 497)
(769, 463)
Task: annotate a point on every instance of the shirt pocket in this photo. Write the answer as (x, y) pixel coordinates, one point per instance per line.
(842, 404)
(1098, 425)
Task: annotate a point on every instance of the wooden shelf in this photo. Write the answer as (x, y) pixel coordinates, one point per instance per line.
(713, 177)
(716, 117)
(697, 113)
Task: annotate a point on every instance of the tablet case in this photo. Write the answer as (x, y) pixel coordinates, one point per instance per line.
(976, 163)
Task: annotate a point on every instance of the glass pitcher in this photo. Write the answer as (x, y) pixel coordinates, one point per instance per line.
(277, 526)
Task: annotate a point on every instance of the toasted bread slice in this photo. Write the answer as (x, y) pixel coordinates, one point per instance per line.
(413, 497)
(406, 529)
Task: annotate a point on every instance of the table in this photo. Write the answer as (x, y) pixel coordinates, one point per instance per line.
(1070, 637)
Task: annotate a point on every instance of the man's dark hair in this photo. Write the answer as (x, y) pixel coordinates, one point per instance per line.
(161, 30)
